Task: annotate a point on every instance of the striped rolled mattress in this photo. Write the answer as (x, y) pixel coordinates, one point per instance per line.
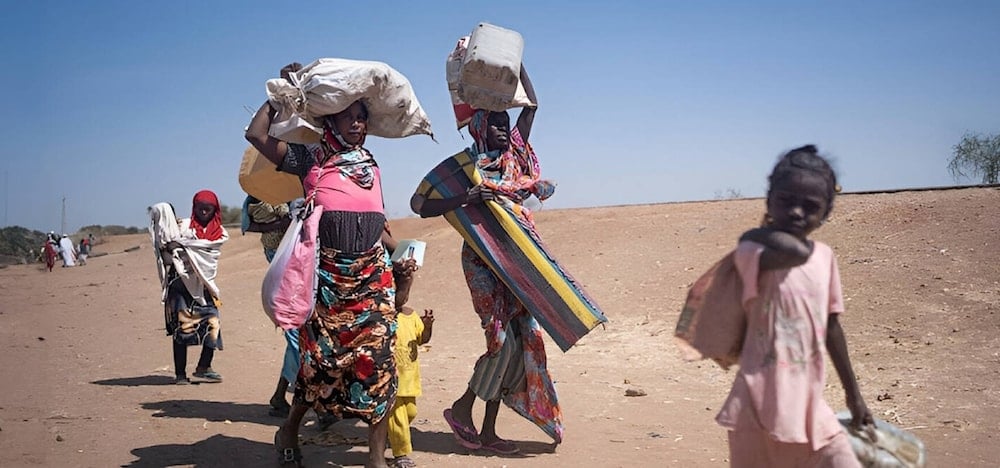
(516, 254)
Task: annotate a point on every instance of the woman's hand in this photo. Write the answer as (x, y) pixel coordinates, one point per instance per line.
(404, 268)
(287, 70)
(479, 194)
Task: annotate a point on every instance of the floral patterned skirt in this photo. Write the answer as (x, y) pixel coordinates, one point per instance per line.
(513, 367)
(346, 348)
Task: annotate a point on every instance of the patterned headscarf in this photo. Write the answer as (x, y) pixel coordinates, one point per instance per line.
(511, 172)
(353, 161)
(213, 230)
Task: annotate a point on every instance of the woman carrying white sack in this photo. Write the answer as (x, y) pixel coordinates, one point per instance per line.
(314, 126)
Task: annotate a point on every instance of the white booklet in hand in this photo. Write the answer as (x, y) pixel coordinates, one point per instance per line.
(410, 248)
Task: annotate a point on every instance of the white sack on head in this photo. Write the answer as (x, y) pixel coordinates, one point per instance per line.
(330, 85)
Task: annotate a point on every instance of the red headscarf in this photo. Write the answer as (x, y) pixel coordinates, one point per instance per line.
(213, 231)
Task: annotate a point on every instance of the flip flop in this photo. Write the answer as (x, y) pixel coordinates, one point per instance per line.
(465, 436)
(503, 447)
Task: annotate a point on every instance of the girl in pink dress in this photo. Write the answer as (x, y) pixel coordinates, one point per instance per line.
(775, 412)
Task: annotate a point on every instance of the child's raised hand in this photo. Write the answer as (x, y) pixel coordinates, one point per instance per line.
(428, 317)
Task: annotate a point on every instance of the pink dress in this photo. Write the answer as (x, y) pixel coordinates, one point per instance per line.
(779, 386)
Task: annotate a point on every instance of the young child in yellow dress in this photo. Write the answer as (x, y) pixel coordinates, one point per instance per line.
(412, 330)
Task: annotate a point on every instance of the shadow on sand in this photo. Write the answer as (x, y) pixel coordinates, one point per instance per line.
(216, 411)
(139, 381)
(218, 450)
(225, 451)
(444, 443)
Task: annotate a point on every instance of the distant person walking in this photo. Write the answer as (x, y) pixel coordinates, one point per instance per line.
(49, 251)
(187, 262)
(68, 251)
(84, 251)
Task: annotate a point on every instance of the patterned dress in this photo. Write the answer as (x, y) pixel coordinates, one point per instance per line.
(346, 348)
(513, 368)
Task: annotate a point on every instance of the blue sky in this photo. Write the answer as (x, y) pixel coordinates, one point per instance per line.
(116, 105)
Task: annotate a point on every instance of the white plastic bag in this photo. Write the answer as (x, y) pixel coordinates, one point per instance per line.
(330, 85)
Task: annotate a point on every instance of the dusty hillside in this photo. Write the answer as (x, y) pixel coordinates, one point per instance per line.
(88, 373)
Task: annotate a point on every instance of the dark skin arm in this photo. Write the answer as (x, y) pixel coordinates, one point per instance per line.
(782, 250)
(167, 251)
(390, 243)
(527, 116)
(428, 319)
(836, 346)
(402, 274)
(257, 132)
(427, 208)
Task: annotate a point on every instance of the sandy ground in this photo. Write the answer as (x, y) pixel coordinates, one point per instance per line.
(87, 370)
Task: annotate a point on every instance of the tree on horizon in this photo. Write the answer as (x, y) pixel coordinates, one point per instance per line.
(976, 155)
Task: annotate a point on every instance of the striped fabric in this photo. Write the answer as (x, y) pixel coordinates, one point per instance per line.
(503, 373)
(516, 254)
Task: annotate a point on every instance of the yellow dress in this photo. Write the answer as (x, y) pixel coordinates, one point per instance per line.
(409, 328)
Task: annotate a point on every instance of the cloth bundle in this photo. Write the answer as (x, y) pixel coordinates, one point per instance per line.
(330, 85)
(197, 263)
(713, 322)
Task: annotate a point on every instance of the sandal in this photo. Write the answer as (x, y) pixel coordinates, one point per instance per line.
(503, 447)
(208, 374)
(465, 436)
(291, 456)
(403, 462)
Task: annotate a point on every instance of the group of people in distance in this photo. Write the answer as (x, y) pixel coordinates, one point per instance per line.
(71, 254)
(357, 356)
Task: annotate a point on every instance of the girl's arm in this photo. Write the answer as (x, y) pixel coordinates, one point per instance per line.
(527, 117)
(836, 345)
(782, 250)
(427, 207)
